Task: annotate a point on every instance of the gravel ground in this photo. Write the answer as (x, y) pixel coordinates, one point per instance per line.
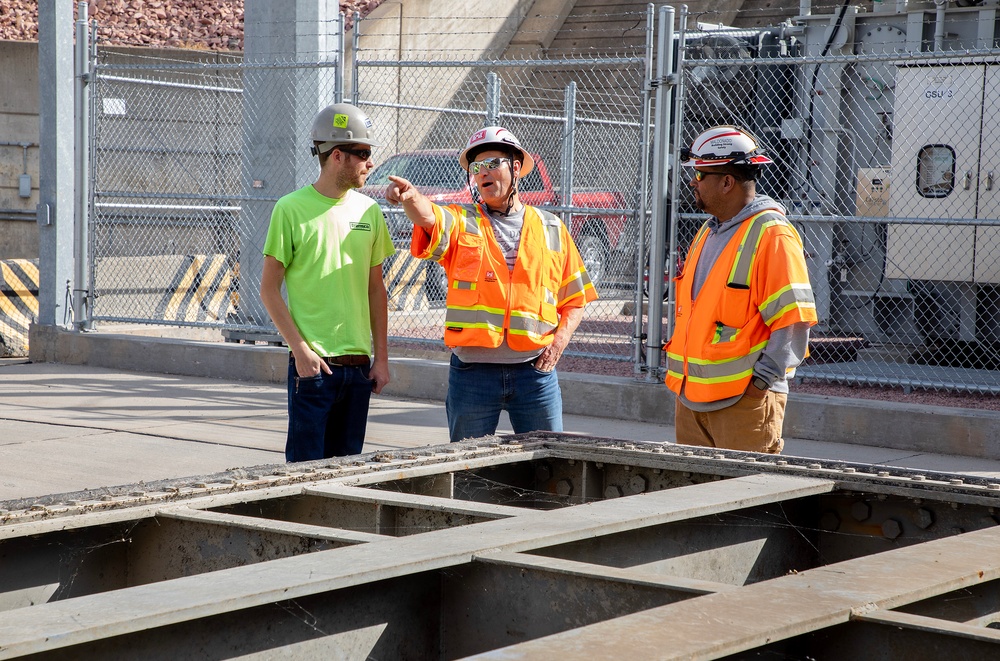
(601, 367)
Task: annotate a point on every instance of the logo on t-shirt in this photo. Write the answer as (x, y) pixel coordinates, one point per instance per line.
(361, 225)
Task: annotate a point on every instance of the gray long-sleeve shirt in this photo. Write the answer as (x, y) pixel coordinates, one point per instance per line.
(787, 346)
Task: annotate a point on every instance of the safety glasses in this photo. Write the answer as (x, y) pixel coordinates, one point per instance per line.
(699, 175)
(476, 167)
(363, 154)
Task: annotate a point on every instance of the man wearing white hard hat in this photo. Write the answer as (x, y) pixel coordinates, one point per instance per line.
(516, 290)
(744, 303)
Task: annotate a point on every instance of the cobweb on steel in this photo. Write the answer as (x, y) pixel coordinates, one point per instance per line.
(75, 558)
(477, 488)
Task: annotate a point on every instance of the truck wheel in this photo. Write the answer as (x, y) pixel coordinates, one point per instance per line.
(645, 285)
(435, 285)
(594, 252)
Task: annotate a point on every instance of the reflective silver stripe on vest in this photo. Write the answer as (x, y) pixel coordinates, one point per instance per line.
(708, 372)
(552, 226)
(549, 298)
(462, 284)
(448, 221)
(529, 325)
(472, 220)
(475, 317)
(702, 231)
(575, 286)
(725, 333)
(675, 365)
(793, 296)
(739, 276)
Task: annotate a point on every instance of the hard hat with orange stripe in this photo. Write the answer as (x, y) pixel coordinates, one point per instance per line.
(724, 145)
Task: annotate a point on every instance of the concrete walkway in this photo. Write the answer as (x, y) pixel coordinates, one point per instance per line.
(67, 428)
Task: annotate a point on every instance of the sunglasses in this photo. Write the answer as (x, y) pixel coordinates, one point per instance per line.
(363, 154)
(699, 175)
(476, 167)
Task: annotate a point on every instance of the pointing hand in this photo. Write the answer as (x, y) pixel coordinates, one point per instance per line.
(399, 190)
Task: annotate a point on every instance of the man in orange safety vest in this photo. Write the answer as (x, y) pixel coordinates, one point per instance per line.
(516, 290)
(744, 303)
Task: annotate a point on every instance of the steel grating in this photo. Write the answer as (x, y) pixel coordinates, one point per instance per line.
(536, 546)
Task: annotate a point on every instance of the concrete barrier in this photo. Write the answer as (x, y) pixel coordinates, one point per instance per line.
(943, 430)
(404, 282)
(165, 287)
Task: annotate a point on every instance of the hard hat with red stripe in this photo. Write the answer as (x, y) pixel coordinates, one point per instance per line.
(724, 145)
(500, 138)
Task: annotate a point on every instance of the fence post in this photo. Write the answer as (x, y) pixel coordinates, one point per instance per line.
(81, 210)
(492, 99)
(355, 43)
(568, 150)
(278, 112)
(661, 203)
(638, 336)
(673, 255)
(338, 80)
(56, 169)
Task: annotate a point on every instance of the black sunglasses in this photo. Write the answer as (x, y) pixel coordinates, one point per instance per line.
(363, 154)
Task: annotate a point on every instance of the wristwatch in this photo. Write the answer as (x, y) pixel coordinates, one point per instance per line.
(759, 383)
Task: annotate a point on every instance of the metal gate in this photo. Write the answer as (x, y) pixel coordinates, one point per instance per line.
(167, 223)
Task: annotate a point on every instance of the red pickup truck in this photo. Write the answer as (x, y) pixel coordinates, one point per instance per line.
(439, 176)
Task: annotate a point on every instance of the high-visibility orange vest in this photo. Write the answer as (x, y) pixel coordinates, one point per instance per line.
(484, 296)
(759, 284)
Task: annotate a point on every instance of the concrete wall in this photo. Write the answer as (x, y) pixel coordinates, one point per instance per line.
(18, 125)
(409, 30)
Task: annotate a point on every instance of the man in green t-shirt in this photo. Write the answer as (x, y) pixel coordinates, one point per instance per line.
(326, 243)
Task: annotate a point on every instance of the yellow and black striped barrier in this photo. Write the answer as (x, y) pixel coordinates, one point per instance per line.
(201, 290)
(18, 304)
(188, 288)
(404, 277)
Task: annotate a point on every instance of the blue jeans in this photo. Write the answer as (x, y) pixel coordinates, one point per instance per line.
(327, 413)
(477, 392)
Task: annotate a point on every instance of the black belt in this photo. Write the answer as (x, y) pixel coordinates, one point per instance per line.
(350, 360)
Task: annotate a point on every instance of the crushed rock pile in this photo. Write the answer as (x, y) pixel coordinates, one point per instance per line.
(201, 24)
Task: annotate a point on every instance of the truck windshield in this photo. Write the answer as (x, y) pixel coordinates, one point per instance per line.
(422, 171)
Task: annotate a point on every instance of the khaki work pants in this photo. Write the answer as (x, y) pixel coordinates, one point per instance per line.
(751, 424)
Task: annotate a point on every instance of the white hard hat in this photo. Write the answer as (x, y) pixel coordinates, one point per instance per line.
(724, 145)
(503, 139)
(342, 124)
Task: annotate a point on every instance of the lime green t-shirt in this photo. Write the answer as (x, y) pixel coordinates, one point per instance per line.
(328, 248)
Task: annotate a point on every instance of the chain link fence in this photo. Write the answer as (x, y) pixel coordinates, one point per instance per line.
(882, 127)
(182, 188)
(580, 116)
(886, 161)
